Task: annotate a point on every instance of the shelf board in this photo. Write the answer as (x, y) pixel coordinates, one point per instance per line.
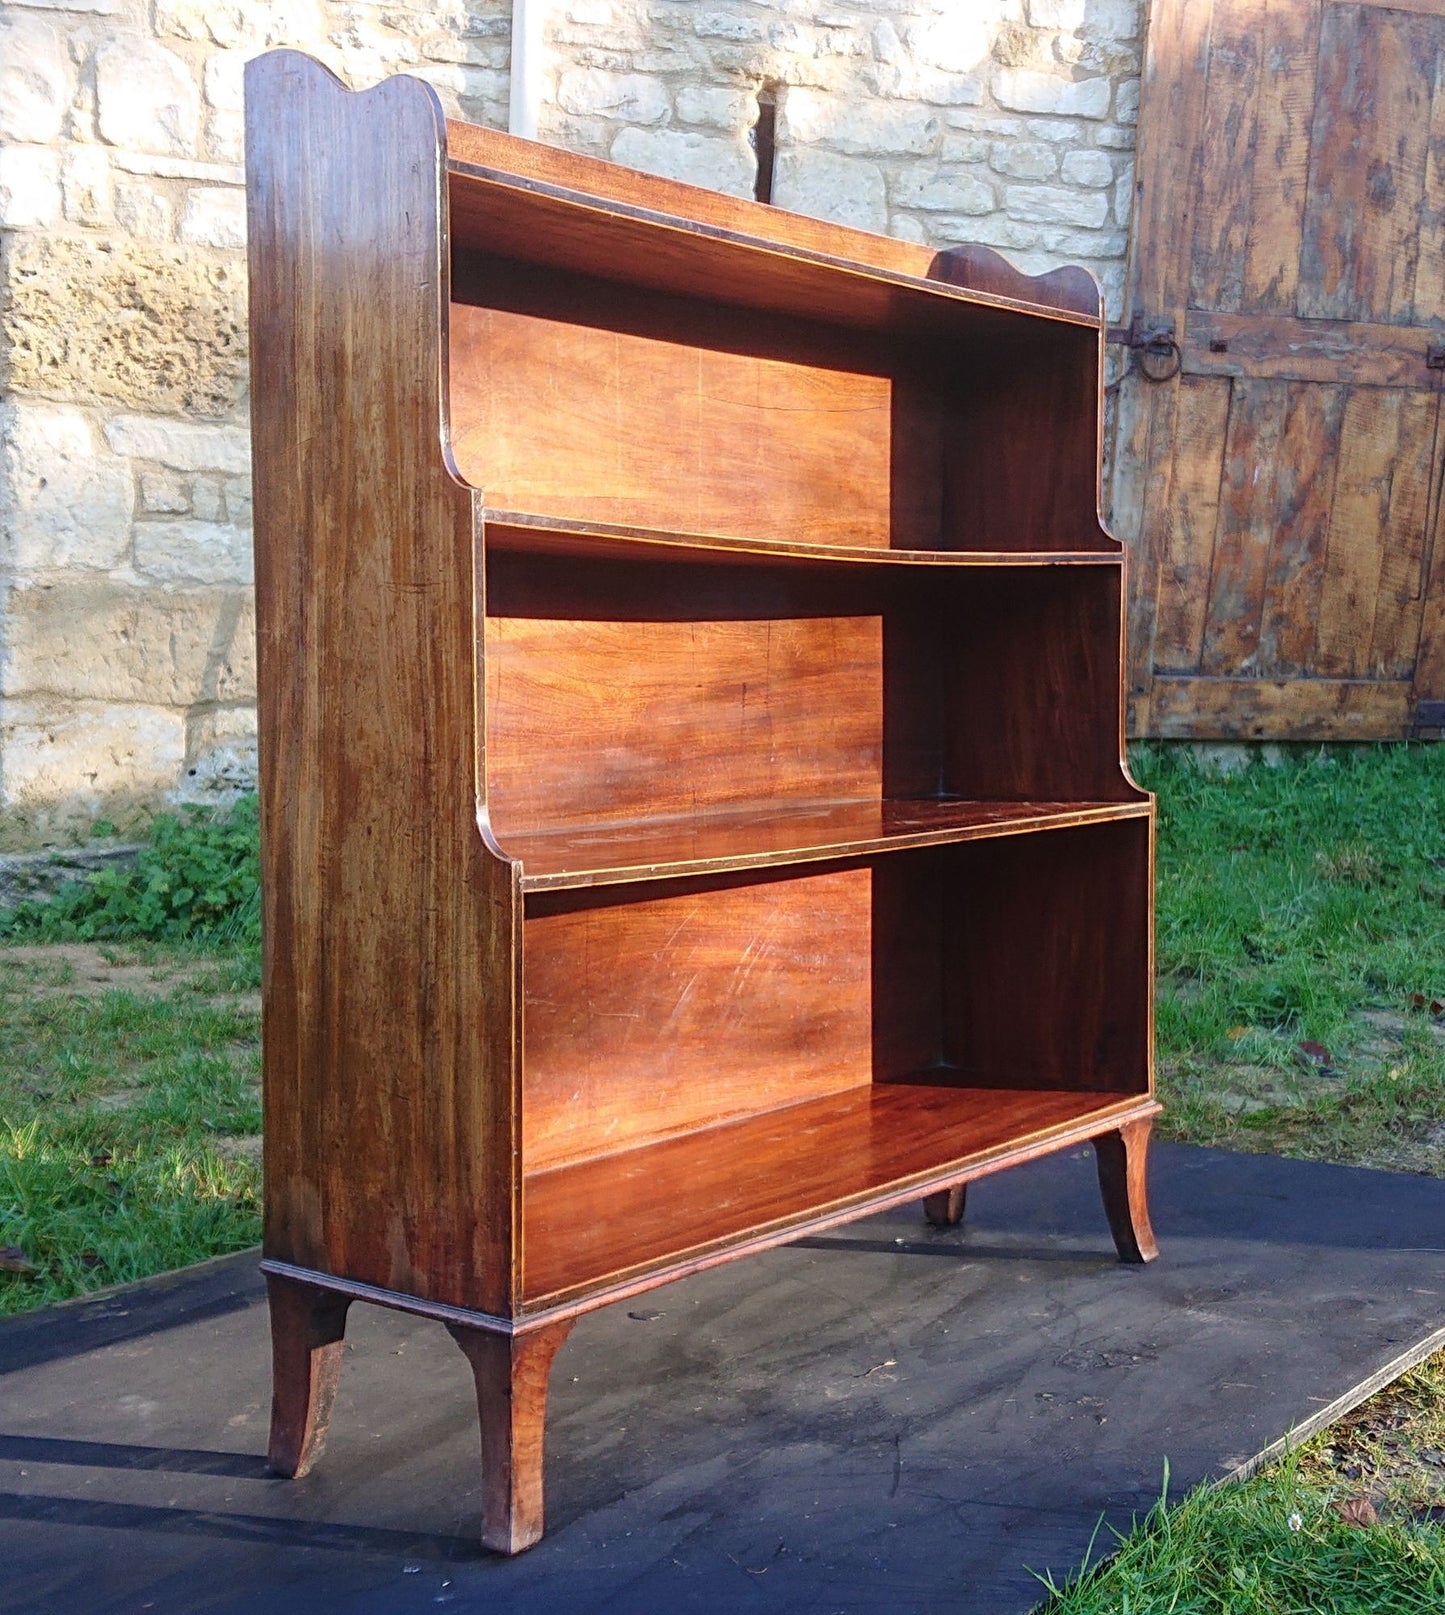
(603, 1226)
(756, 838)
(531, 219)
(523, 532)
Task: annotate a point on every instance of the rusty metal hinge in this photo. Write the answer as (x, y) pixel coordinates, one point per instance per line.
(1153, 344)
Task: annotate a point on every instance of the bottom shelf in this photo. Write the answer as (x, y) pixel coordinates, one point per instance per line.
(595, 1227)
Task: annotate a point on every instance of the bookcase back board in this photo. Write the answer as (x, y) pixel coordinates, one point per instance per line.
(693, 804)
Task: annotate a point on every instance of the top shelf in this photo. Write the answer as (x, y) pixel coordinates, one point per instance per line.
(793, 268)
(527, 533)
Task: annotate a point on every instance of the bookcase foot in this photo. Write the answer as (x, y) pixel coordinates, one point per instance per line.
(945, 1209)
(1123, 1160)
(307, 1325)
(511, 1373)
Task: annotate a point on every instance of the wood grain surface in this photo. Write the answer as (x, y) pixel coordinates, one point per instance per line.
(1280, 495)
(390, 932)
(667, 1206)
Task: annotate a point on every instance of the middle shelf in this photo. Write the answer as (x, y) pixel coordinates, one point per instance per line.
(774, 834)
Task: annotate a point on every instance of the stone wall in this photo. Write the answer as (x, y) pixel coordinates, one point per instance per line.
(126, 656)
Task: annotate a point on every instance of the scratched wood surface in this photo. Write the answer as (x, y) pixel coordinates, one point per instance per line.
(694, 807)
(1279, 497)
(388, 927)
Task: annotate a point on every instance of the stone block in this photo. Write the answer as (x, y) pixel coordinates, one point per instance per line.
(143, 211)
(37, 81)
(192, 552)
(151, 328)
(1026, 90)
(1067, 14)
(226, 136)
(960, 40)
(1126, 103)
(856, 127)
(959, 148)
(30, 195)
(716, 106)
(225, 71)
(631, 97)
(98, 640)
(69, 760)
(181, 445)
(1057, 131)
(85, 185)
(1089, 168)
(221, 755)
(943, 191)
(712, 160)
(146, 98)
(208, 504)
(1124, 196)
(162, 493)
(1023, 159)
(847, 190)
(1051, 204)
(63, 501)
(215, 217)
(727, 25)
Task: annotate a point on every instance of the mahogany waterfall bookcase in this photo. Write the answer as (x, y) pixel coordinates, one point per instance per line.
(693, 801)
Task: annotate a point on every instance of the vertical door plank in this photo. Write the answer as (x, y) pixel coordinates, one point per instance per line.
(1368, 447)
(1246, 527)
(1430, 259)
(1175, 74)
(1430, 658)
(1227, 141)
(1188, 515)
(1344, 103)
(1304, 492)
(1402, 542)
(1285, 100)
(1387, 243)
(1132, 471)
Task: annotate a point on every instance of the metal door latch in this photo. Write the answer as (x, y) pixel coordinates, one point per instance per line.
(1153, 344)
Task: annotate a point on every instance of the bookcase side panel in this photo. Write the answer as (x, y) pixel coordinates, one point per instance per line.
(1033, 692)
(390, 932)
(1048, 960)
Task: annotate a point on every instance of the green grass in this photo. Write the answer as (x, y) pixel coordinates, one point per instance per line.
(119, 1116)
(1273, 1545)
(1302, 902)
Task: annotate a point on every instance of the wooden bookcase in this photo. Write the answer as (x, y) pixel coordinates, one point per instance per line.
(693, 801)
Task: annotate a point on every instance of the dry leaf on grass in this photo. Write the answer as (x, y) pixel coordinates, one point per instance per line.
(1357, 1511)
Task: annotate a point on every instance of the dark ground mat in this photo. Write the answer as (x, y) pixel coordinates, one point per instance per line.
(886, 1417)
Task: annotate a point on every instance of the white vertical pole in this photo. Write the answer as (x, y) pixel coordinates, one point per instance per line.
(528, 66)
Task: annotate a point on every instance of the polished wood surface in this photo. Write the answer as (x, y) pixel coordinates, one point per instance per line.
(561, 538)
(662, 1207)
(307, 1328)
(388, 927)
(655, 1014)
(669, 718)
(946, 1208)
(1122, 1155)
(493, 210)
(774, 834)
(511, 1373)
(691, 725)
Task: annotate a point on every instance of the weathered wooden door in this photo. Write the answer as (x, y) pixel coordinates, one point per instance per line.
(1280, 494)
